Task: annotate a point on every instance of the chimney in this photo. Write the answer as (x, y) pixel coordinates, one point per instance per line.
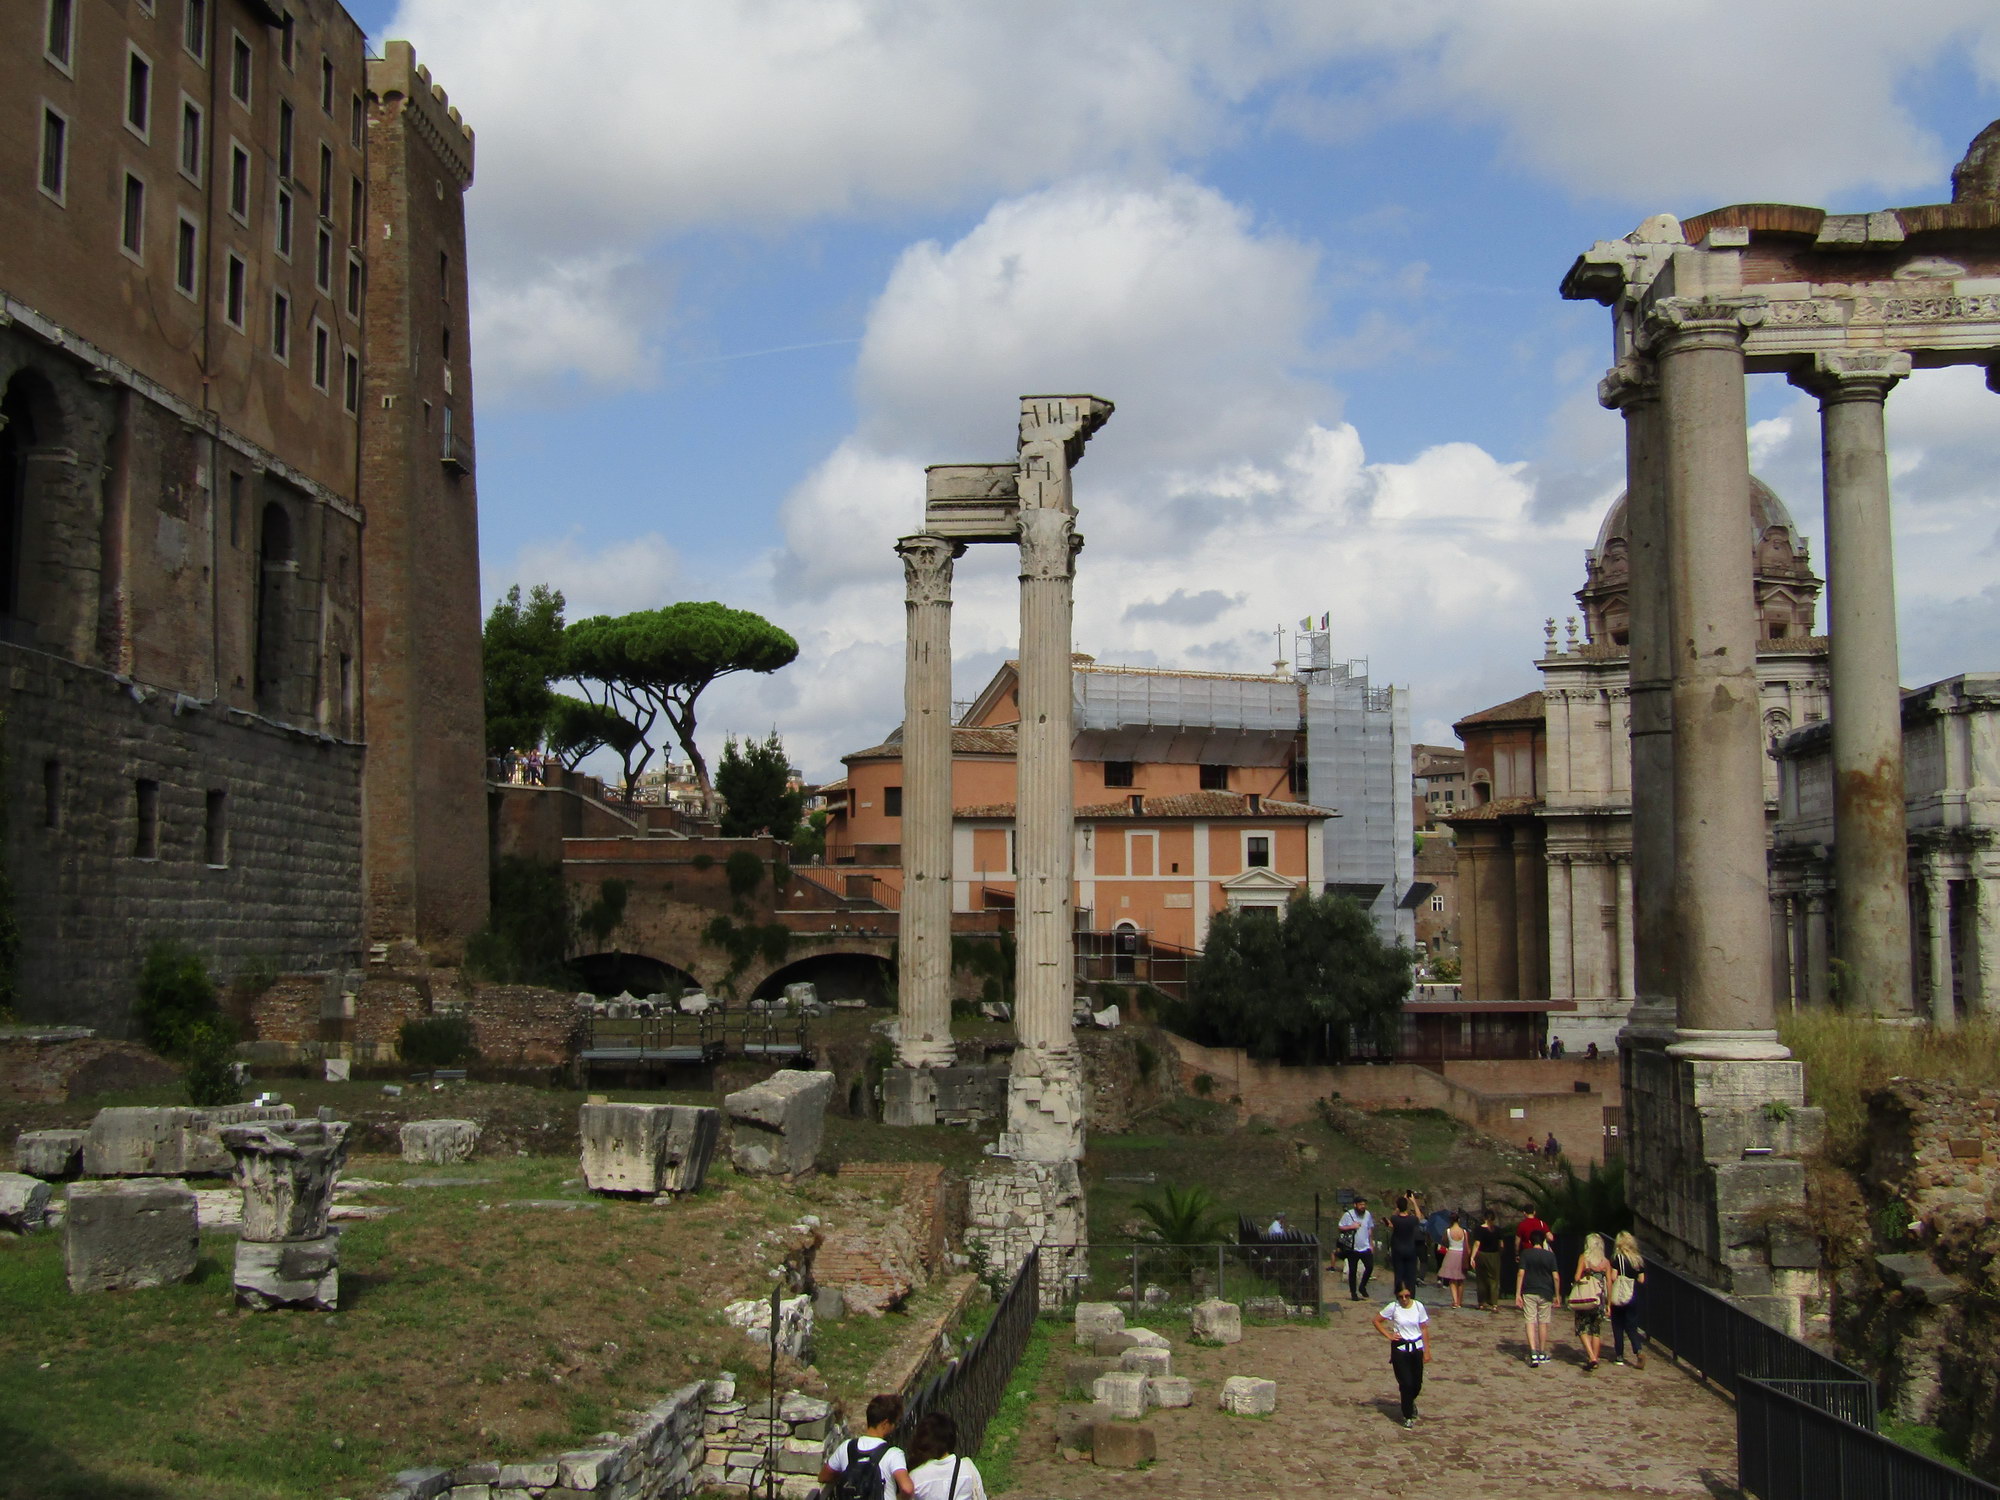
(1256, 804)
(1138, 801)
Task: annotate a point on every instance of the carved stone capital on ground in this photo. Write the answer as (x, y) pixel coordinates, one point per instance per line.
(1852, 374)
(927, 567)
(1049, 544)
(1708, 321)
(1627, 383)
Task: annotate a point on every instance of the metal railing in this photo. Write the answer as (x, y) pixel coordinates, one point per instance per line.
(1727, 1345)
(677, 1038)
(1290, 1259)
(1151, 1276)
(1789, 1446)
(968, 1390)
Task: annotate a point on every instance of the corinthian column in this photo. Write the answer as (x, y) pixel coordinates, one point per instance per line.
(1870, 849)
(923, 1032)
(1721, 906)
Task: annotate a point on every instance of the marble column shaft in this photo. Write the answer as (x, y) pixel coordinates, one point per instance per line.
(1721, 908)
(923, 1036)
(1870, 849)
(1937, 897)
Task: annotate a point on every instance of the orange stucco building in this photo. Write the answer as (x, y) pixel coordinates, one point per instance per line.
(1184, 802)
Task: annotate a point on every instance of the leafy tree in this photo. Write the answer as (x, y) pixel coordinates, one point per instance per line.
(577, 726)
(754, 781)
(522, 646)
(745, 872)
(809, 838)
(210, 1077)
(656, 663)
(176, 996)
(1305, 988)
(528, 933)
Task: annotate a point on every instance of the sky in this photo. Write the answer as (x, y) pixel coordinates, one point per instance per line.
(742, 268)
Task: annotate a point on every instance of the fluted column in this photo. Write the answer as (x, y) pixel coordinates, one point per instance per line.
(1720, 881)
(1633, 390)
(1870, 853)
(1937, 897)
(923, 1036)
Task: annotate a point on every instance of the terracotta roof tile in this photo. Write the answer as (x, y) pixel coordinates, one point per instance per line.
(1514, 710)
(1499, 807)
(999, 741)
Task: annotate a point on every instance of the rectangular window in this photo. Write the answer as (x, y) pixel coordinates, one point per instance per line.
(59, 39)
(350, 382)
(235, 291)
(138, 94)
(354, 286)
(52, 790)
(356, 210)
(444, 275)
(892, 802)
(132, 232)
(1215, 778)
(282, 237)
(55, 154)
(323, 260)
(146, 830)
(1257, 851)
(281, 325)
(215, 829)
(239, 183)
(358, 113)
(287, 42)
(187, 257)
(191, 139)
(322, 357)
(239, 69)
(326, 85)
(287, 130)
(235, 509)
(194, 29)
(1118, 773)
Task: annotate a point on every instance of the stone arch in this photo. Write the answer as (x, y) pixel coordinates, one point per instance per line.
(32, 431)
(640, 974)
(837, 976)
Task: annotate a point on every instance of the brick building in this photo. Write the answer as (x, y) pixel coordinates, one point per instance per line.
(214, 495)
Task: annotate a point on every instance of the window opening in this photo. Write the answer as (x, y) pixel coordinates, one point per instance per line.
(354, 211)
(55, 154)
(277, 569)
(326, 85)
(354, 286)
(1215, 778)
(322, 357)
(52, 787)
(132, 233)
(350, 383)
(892, 802)
(239, 183)
(239, 69)
(354, 120)
(1118, 773)
(59, 41)
(1257, 851)
(194, 29)
(146, 832)
(281, 325)
(286, 124)
(187, 257)
(323, 261)
(138, 94)
(283, 237)
(325, 181)
(287, 38)
(235, 285)
(215, 828)
(191, 155)
(235, 509)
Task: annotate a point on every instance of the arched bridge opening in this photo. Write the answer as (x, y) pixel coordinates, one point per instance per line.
(609, 974)
(835, 976)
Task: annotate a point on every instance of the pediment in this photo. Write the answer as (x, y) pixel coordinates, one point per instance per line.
(1258, 881)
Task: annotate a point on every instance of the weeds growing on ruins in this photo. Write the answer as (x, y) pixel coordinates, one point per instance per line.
(1847, 1056)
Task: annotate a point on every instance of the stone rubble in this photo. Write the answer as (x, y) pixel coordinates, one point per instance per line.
(795, 1323)
(53, 1155)
(1119, 1445)
(24, 1202)
(1094, 1319)
(1147, 1361)
(1122, 1394)
(440, 1143)
(122, 1236)
(1169, 1390)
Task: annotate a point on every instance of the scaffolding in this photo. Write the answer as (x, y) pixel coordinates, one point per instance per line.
(1358, 763)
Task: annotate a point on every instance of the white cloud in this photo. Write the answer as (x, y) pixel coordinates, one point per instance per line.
(606, 128)
(640, 572)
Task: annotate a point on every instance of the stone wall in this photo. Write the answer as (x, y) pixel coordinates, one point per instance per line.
(304, 1017)
(286, 891)
(51, 1065)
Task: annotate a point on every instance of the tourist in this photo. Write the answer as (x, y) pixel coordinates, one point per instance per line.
(1357, 1243)
(1486, 1247)
(1631, 1268)
(1536, 1289)
(1451, 1267)
(1590, 1295)
(1556, 1047)
(1524, 1232)
(937, 1469)
(1277, 1227)
(1403, 1323)
(1403, 1227)
(1549, 1147)
(1436, 1225)
(1590, 1052)
(874, 1468)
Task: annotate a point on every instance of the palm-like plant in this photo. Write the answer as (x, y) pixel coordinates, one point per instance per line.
(1577, 1205)
(1184, 1216)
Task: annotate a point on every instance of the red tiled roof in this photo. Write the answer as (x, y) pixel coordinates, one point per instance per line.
(1499, 807)
(1526, 707)
(1184, 805)
(963, 742)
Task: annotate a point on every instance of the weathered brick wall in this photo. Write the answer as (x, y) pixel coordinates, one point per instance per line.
(87, 905)
(1937, 1147)
(48, 1067)
(522, 1026)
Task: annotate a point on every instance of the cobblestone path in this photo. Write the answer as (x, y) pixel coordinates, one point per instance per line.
(1489, 1427)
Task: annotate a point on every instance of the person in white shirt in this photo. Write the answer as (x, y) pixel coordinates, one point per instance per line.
(1277, 1226)
(873, 1452)
(1360, 1250)
(937, 1469)
(1404, 1324)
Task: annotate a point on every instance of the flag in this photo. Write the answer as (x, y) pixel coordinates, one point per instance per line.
(1325, 620)
(1306, 623)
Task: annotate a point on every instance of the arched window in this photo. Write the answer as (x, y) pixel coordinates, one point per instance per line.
(27, 425)
(277, 568)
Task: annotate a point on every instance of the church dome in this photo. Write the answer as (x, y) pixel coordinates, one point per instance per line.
(1787, 590)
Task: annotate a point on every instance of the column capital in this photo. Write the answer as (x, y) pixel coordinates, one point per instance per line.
(1852, 374)
(927, 567)
(1629, 383)
(1049, 544)
(1709, 321)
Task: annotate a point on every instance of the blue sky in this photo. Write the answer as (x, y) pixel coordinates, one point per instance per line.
(741, 269)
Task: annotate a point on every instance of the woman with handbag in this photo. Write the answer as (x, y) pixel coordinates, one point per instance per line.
(1590, 1295)
(1631, 1268)
(1451, 1267)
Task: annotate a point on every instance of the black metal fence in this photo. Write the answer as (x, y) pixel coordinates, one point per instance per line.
(1789, 1446)
(1168, 1280)
(1288, 1259)
(968, 1390)
(677, 1039)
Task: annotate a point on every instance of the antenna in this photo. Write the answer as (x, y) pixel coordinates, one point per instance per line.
(1278, 666)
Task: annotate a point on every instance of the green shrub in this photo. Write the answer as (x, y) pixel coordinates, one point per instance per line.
(781, 876)
(1204, 1084)
(210, 1048)
(703, 861)
(528, 933)
(745, 872)
(436, 1042)
(175, 995)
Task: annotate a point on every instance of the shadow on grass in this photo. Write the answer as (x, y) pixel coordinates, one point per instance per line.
(38, 1470)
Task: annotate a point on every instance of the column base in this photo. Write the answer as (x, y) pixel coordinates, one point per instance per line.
(969, 1095)
(1014, 1207)
(909, 1096)
(1715, 1173)
(1045, 1108)
(1728, 1046)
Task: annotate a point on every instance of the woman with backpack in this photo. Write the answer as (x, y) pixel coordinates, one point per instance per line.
(937, 1469)
(870, 1467)
(1631, 1268)
(1590, 1295)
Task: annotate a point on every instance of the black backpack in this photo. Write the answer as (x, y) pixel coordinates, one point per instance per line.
(862, 1478)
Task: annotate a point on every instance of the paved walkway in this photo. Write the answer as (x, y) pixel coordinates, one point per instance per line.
(1490, 1427)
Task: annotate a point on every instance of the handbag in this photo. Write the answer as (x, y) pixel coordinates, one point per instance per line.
(1587, 1295)
(1624, 1289)
(1347, 1241)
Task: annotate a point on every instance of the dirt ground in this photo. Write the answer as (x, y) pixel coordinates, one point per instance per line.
(1489, 1427)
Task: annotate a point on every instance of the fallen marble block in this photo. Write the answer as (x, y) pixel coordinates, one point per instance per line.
(53, 1155)
(1115, 1445)
(1169, 1390)
(1217, 1322)
(24, 1202)
(647, 1148)
(1122, 1394)
(296, 1273)
(776, 1125)
(1147, 1338)
(168, 1141)
(120, 1236)
(1247, 1396)
(1096, 1318)
(1147, 1361)
(440, 1143)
